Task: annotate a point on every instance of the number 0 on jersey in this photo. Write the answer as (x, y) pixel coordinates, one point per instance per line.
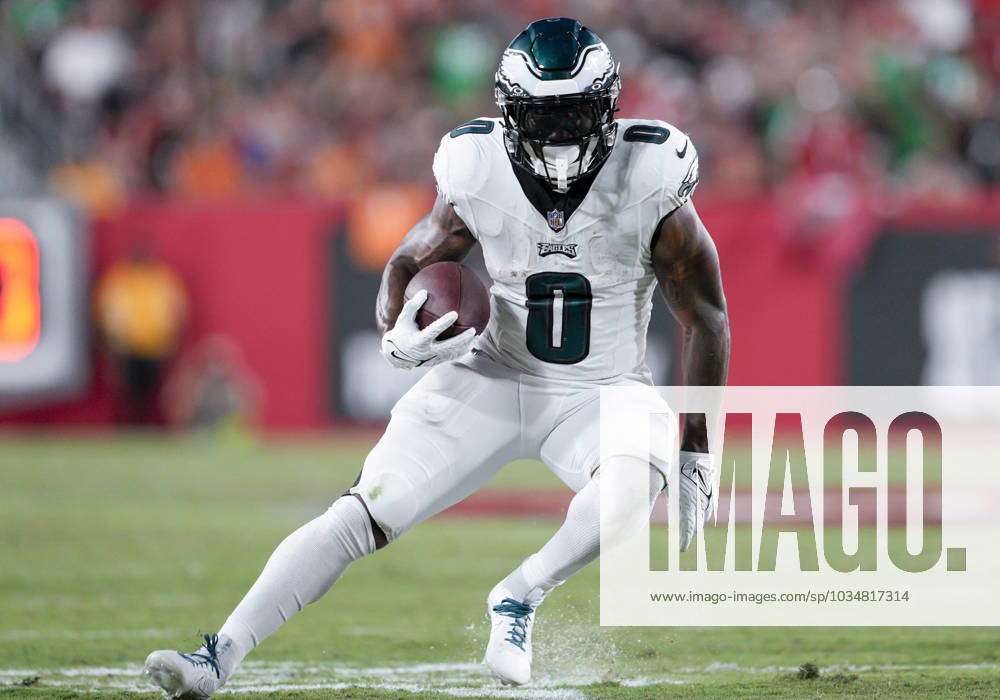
(558, 316)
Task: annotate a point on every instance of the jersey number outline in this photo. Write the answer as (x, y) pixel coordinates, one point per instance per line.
(476, 126)
(558, 327)
(646, 133)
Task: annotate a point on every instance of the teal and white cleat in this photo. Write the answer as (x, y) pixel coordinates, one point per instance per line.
(193, 676)
(508, 653)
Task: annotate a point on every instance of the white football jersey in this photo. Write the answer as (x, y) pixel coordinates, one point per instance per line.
(572, 278)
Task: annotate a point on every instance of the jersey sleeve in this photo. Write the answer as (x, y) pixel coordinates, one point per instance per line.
(461, 167)
(451, 174)
(680, 173)
(443, 169)
(673, 176)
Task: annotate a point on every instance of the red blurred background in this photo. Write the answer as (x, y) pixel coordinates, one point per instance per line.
(273, 153)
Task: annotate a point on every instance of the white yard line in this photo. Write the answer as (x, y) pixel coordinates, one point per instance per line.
(460, 692)
(453, 679)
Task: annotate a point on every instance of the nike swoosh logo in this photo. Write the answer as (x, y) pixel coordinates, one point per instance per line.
(683, 152)
(406, 359)
(705, 489)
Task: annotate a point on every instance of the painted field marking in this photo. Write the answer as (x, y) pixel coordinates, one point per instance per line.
(455, 679)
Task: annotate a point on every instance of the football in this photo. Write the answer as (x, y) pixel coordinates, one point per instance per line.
(451, 286)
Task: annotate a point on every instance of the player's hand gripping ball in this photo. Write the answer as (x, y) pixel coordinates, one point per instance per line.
(445, 307)
(450, 287)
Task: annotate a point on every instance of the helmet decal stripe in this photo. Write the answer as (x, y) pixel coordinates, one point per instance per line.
(542, 74)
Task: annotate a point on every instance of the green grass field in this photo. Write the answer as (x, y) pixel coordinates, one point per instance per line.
(110, 548)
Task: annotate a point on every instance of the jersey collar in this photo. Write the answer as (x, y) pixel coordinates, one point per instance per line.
(554, 207)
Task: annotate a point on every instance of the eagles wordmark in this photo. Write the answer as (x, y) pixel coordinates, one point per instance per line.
(567, 249)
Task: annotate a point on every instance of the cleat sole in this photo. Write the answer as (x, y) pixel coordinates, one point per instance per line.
(165, 674)
(504, 679)
(162, 674)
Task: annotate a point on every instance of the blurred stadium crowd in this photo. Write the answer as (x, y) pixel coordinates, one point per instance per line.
(885, 100)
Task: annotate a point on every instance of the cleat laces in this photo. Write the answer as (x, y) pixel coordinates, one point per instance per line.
(207, 658)
(519, 614)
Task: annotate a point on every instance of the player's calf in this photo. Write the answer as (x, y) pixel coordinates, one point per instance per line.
(302, 568)
(512, 603)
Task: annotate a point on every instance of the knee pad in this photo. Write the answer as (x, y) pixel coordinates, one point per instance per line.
(390, 500)
(657, 479)
(388, 492)
(653, 439)
(625, 514)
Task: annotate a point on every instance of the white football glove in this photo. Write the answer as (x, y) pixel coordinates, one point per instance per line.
(407, 346)
(697, 494)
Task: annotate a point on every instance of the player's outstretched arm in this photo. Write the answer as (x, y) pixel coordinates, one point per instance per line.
(687, 267)
(439, 236)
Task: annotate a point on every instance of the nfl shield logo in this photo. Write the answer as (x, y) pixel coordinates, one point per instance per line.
(556, 220)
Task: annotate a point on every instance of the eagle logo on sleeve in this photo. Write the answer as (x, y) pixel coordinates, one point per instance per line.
(690, 180)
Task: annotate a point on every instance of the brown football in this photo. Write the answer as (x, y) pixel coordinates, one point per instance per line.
(451, 287)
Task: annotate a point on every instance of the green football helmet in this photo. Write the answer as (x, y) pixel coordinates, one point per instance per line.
(557, 88)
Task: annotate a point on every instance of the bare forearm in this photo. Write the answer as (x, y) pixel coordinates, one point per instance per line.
(398, 272)
(439, 236)
(687, 268)
(705, 363)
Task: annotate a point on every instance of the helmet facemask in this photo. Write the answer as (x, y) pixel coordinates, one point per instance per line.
(560, 138)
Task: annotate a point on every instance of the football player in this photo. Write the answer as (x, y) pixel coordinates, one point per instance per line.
(579, 216)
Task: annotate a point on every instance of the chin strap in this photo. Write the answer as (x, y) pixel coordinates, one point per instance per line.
(559, 159)
(562, 172)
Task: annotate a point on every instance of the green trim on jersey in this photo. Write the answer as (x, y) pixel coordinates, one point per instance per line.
(476, 126)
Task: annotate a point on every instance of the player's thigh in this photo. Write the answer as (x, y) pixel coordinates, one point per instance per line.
(447, 436)
(572, 450)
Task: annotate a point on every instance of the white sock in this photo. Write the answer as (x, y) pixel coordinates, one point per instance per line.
(302, 568)
(575, 544)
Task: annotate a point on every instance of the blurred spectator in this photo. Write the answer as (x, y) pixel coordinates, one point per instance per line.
(140, 309)
(93, 185)
(87, 58)
(214, 389)
(208, 98)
